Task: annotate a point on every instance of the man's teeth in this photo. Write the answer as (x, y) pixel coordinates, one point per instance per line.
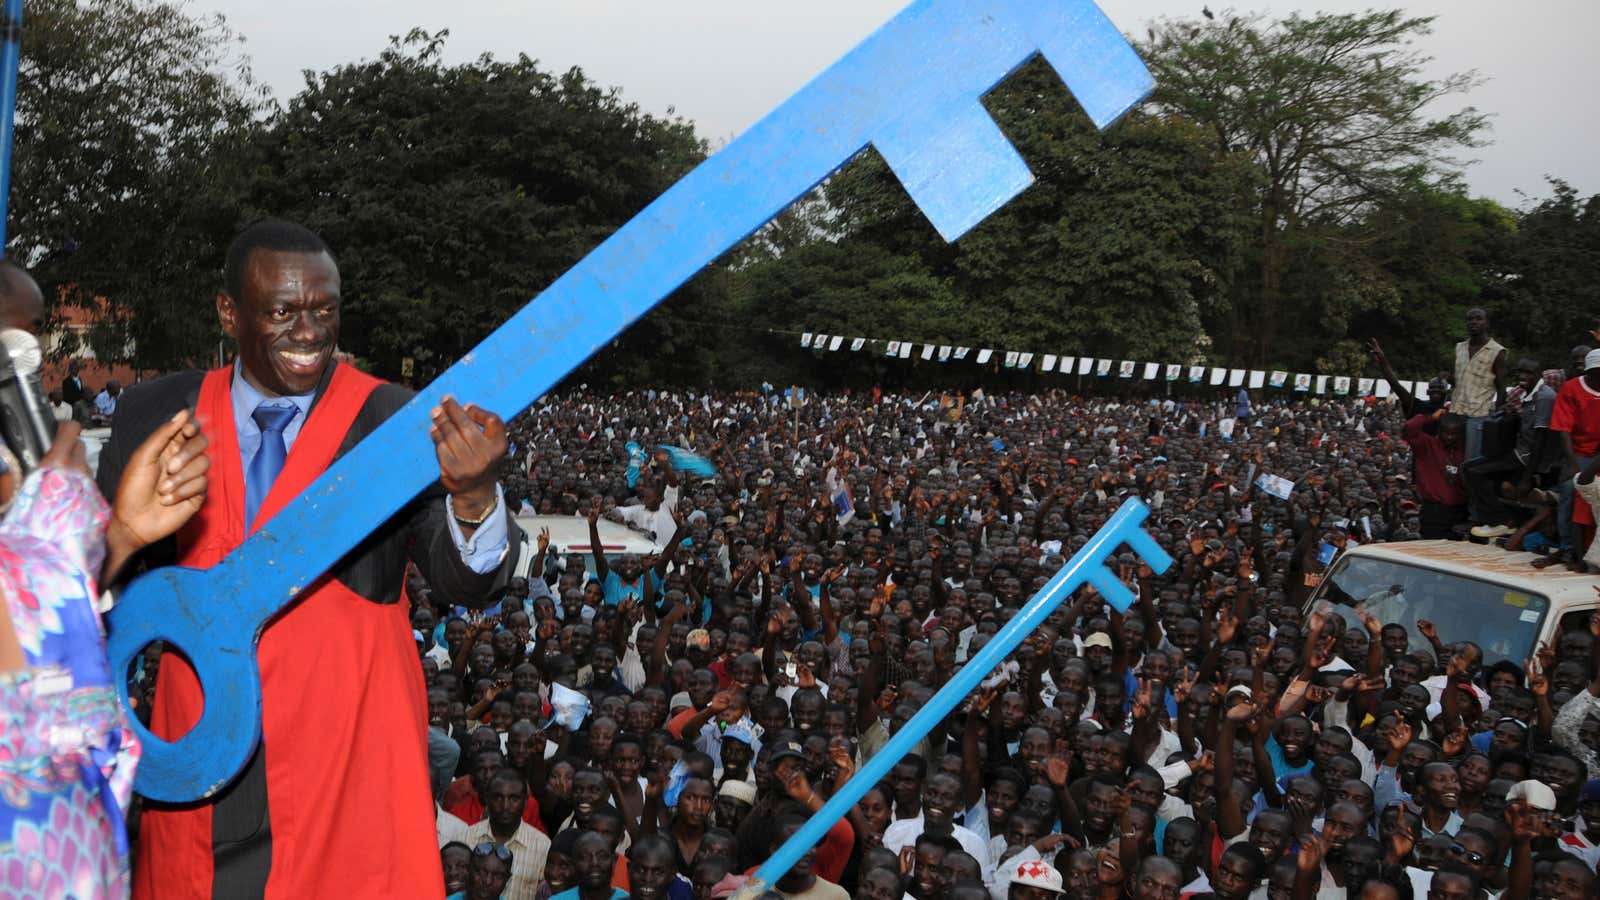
(299, 359)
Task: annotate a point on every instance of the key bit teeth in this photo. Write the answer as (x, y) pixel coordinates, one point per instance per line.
(957, 166)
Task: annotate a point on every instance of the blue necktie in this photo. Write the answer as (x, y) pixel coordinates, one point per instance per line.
(268, 461)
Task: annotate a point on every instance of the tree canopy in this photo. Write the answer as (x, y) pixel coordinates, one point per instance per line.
(1291, 190)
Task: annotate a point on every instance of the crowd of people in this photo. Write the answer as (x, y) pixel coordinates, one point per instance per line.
(659, 725)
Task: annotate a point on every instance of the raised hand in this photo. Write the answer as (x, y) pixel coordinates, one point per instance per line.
(470, 442)
(1057, 770)
(1427, 629)
(1311, 851)
(544, 539)
(163, 486)
(1455, 742)
(1400, 736)
(843, 764)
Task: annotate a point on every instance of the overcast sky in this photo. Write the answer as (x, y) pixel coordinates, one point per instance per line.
(724, 63)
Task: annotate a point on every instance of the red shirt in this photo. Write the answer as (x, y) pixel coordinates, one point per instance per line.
(1438, 467)
(461, 801)
(1577, 412)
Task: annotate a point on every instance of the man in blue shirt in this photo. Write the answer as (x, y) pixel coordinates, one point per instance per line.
(595, 860)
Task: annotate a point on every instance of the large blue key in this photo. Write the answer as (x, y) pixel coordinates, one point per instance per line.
(911, 90)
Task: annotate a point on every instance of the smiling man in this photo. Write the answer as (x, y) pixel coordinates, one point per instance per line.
(941, 800)
(344, 714)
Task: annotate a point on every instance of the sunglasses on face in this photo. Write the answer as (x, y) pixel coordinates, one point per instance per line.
(490, 847)
(1476, 859)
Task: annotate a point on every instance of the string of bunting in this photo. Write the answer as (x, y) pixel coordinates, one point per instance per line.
(1047, 363)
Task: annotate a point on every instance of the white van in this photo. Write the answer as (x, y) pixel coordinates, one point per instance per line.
(570, 534)
(1471, 592)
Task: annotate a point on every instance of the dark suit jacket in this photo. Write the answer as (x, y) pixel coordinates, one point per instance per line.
(375, 570)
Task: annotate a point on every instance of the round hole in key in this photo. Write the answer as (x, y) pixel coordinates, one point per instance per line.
(143, 671)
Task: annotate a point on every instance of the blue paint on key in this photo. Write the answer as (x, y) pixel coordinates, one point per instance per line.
(912, 90)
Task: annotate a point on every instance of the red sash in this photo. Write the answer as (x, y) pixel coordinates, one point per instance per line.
(344, 713)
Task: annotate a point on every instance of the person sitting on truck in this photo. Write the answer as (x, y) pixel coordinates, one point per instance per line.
(1533, 456)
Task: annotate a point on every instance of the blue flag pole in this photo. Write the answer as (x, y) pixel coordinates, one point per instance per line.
(10, 59)
(1087, 566)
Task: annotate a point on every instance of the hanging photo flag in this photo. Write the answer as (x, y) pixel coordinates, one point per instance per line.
(838, 341)
(844, 509)
(1048, 363)
(961, 352)
(1085, 364)
(1322, 384)
(858, 343)
(1024, 359)
(1127, 369)
(983, 357)
(1173, 371)
(1067, 364)
(820, 342)
(905, 349)
(1257, 379)
(1364, 387)
(1341, 386)
(805, 339)
(1102, 367)
(928, 350)
(1218, 376)
(1279, 379)
(1382, 388)
(1197, 374)
(1011, 359)
(1151, 370)
(1235, 377)
(944, 353)
(1419, 390)
(1302, 382)
(894, 349)
(1275, 485)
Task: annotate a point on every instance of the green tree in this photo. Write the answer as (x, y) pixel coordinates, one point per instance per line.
(1546, 299)
(1121, 242)
(1337, 113)
(130, 116)
(454, 194)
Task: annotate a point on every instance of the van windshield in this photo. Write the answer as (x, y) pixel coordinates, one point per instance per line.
(1504, 622)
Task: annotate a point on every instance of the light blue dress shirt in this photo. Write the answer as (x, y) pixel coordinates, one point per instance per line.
(482, 552)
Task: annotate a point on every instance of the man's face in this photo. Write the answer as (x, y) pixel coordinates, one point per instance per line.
(286, 321)
(940, 799)
(489, 876)
(506, 801)
(649, 873)
(1443, 785)
(457, 868)
(694, 803)
(1101, 808)
(929, 872)
(595, 862)
(1233, 878)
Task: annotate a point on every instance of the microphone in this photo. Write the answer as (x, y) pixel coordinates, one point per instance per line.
(26, 420)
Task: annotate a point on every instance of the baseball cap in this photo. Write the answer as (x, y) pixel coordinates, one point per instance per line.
(788, 749)
(1536, 794)
(1098, 639)
(1591, 360)
(699, 639)
(1038, 873)
(739, 790)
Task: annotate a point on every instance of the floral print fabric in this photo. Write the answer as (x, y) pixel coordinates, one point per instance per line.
(66, 755)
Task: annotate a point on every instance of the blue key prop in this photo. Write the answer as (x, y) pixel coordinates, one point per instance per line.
(1087, 566)
(911, 90)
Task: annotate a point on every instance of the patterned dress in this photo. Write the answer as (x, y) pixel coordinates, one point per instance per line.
(67, 757)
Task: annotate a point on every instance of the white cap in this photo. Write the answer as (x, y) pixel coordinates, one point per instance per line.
(1591, 360)
(739, 790)
(1038, 873)
(1536, 794)
(1098, 639)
